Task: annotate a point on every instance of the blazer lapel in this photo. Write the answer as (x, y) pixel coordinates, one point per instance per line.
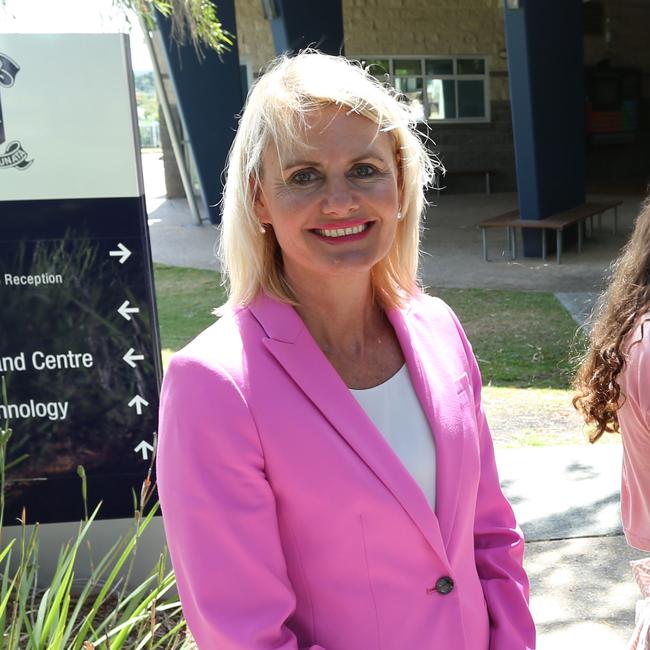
(425, 357)
(292, 345)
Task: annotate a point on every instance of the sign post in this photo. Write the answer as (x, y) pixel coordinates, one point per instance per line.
(79, 343)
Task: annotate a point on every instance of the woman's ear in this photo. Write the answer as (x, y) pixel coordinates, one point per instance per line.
(400, 176)
(259, 205)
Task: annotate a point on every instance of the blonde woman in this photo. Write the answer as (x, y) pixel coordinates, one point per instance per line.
(326, 472)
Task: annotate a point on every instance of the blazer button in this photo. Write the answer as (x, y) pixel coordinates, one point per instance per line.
(444, 585)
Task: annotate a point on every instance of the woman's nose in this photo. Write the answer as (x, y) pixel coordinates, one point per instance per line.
(339, 197)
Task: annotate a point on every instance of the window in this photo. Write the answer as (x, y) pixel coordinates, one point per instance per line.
(449, 89)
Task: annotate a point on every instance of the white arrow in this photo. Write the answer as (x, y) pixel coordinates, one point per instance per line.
(131, 357)
(143, 448)
(138, 402)
(123, 253)
(125, 311)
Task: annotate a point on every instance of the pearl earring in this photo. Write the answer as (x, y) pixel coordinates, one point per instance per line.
(399, 215)
(262, 229)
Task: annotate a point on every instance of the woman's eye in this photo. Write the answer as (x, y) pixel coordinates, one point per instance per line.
(364, 171)
(303, 177)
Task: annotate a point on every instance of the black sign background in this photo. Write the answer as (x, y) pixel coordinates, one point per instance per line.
(75, 238)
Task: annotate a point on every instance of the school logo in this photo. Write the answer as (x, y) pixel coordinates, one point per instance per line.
(14, 154)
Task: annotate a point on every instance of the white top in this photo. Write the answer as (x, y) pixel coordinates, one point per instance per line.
(395, 410)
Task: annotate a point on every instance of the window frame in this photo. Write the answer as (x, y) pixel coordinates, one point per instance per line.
(485, 78)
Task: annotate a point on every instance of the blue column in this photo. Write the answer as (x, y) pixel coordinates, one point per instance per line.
(546, 68)
(301, 24)
(209, 95)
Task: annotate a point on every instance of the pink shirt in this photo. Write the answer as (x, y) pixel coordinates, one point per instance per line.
(634, 419)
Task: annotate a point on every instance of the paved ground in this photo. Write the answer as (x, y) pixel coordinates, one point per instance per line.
(567, 502)
(454, 257)
(579, 304)
(565, 498)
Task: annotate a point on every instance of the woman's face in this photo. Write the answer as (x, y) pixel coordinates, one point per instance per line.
(333, 203)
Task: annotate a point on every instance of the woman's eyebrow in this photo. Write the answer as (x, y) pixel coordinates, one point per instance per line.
(370, 153)
(300, 163)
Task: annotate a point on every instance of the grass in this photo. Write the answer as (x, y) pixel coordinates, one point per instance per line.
(186, 299)
(521, 338)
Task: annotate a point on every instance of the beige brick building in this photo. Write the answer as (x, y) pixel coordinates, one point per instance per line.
(449, 58)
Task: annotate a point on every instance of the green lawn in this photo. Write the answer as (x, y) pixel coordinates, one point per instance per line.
(186, 299)
(521, 338)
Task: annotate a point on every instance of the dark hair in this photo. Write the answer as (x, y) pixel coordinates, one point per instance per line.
(627, 299)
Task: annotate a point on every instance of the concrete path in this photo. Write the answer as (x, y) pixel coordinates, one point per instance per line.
(563, 492)
(579, 304)
(565, 498)
(583, 594)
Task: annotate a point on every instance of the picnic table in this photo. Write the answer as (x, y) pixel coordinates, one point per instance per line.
(580, 215)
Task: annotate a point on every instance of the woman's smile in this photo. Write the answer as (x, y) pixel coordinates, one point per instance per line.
(344, 232)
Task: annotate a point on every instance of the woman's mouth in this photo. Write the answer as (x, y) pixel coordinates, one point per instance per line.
(338, 233)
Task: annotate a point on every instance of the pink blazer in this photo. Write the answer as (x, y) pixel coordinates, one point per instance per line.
(293, 525)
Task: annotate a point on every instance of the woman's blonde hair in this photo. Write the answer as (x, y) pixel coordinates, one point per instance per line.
(275, 113)
(627, 299)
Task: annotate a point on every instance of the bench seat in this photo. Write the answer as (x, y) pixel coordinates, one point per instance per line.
(579, 215)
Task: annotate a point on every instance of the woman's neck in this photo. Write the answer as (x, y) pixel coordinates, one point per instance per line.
(343, 316)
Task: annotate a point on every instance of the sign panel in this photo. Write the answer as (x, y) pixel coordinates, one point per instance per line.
(79, 345)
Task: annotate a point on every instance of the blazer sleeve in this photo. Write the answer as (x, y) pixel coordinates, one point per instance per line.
(219, 514)
(498, 542)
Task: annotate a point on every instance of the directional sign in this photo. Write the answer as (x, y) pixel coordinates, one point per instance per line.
(122, 252)
(131, 357)
(144, 448)
(79, 344)
(125, 311)
(139, 402)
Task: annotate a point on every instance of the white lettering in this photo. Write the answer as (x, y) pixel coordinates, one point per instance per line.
(67, 360)
(12, 364)
(32, 280)
(51, 410)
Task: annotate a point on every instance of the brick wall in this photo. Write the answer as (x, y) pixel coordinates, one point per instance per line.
(478, 146)
(254, 38)
(393, 27)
